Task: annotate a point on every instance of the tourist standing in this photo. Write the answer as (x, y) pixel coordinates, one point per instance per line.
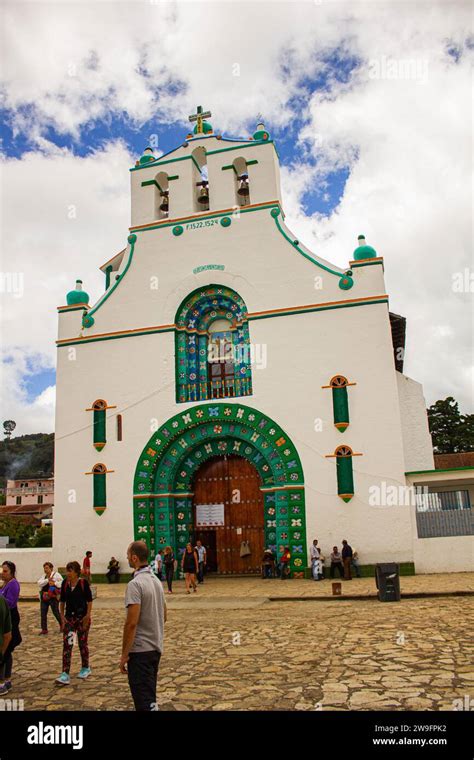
(168, 561)
(158, 565)
(11, 592)
(50, 590)
(202, 560)
(355, 563)
(190, 567)
(346, 560)
(336, 563)
(143, 630)
(316, 562)
(5, 638)
(75, 609)
(113, 570)
(86, 567)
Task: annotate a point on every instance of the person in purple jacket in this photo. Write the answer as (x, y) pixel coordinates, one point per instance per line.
(10, 591)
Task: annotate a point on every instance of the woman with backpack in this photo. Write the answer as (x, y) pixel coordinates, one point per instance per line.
(168, 561)
(10, 591)
(75, 609)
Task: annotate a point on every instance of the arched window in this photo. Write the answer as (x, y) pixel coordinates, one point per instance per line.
(162, 199)
(212, 346)
(99, 474)
(99, 408)
(241, 180)
(340, 401)
(200, 180)
(345, 478)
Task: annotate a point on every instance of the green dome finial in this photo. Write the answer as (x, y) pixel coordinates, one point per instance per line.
(206, 128)
(364, 251)
(261, 133)
(147, 156)
(78, 295)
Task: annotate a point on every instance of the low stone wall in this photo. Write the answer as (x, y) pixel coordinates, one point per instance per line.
(29, 562)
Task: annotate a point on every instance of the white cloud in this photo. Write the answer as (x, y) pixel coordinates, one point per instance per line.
(66, 216)
(405, 140)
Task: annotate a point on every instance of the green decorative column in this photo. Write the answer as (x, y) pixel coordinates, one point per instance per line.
(182, 527)
(297, 543)
(144, 521)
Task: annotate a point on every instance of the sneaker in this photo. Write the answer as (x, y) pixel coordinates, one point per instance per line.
(43, 633)
(3, 689)
(63, 679)
(84, 673)
(8, 685)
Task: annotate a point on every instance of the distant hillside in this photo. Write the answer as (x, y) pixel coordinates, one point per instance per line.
(28, 456)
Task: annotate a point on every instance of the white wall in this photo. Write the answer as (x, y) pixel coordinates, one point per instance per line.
(417, 441)
(449, 554)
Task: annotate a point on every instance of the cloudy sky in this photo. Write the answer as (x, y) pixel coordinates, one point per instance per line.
(369, 105)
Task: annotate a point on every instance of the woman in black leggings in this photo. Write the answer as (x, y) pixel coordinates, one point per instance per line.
(168, 561)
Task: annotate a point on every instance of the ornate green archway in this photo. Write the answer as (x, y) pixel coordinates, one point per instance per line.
(163, 479)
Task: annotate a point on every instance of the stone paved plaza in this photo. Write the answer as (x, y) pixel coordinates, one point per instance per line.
(228, 647)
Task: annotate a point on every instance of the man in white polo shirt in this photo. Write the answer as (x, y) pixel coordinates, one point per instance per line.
(144, 628)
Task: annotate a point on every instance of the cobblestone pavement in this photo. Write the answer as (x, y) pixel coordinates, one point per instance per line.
(227, 647)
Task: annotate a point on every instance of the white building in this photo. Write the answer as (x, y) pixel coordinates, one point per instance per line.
(229, 384)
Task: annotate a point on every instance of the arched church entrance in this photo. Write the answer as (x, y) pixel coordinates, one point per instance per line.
(228, 515)
(169, 470)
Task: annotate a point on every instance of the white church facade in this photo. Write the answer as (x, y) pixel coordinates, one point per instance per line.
(229, 384)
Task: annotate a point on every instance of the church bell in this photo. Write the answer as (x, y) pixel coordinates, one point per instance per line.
(203, 196)
(244, 185)
(164, 201)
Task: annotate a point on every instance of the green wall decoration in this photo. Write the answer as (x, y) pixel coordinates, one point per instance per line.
(163, 484)
(88, 319)
(99, 429)
(340, 401)
(99, 488)
(193, 319)
(345, 478)
(99, 425)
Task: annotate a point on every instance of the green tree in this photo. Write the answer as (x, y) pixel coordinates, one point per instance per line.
(19, 531)
(43, 537)
(451, 431)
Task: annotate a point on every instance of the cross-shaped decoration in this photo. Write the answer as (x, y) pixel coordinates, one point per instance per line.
(199, 117)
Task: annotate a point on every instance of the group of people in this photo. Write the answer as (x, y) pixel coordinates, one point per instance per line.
(271, 568)
(343, 561)
(71, 601)
(193, 565)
